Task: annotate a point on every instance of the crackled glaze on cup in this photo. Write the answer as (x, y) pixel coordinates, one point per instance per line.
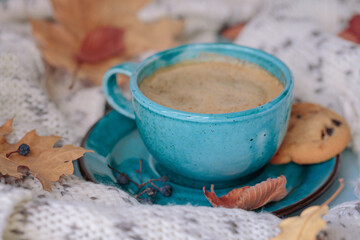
(206, 147)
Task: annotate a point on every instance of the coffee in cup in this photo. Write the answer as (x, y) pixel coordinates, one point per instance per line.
(211, 87)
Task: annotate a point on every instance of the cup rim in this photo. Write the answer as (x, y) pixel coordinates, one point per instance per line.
(205, 117)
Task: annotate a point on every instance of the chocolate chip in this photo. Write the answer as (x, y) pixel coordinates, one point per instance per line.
(329, 131)
(322, 135)
(298, 116)
(336, 122)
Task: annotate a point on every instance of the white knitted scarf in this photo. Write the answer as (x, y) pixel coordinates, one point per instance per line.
(301, 33)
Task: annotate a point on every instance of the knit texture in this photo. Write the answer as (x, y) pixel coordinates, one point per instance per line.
(301, 33)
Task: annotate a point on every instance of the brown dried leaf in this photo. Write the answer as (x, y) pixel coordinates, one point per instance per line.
(9, 168)
(44, 161)
(250, 198)
(65, 42)
(6, 128)
(49, 165)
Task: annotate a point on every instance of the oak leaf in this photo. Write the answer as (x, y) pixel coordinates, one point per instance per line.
(250, 198)
(308, 224)
(7, 167)
(89, 37)
(44, 162)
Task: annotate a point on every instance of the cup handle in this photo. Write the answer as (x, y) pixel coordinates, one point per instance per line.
(112, 91)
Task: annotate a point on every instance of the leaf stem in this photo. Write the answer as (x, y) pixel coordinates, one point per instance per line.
(138, 195)
(325, 203)
(74, 75)
(123, 174)
(140, 169)
(340, 188)
(155, 186)
(9, 154)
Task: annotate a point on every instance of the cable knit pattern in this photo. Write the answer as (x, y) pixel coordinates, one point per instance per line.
(301, 33)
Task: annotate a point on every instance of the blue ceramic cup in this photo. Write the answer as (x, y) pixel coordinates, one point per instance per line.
(205, 147)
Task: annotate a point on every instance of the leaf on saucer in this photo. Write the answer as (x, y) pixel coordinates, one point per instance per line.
(43, 161)
(308, 224)
(250, 198)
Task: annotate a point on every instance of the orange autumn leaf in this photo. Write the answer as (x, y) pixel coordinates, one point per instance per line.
(7, 167)
(250, 198)
(6, 128)
(92, 36)
(44, 161)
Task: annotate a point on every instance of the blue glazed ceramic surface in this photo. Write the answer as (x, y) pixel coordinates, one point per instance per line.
(122, 148)
(207, 147)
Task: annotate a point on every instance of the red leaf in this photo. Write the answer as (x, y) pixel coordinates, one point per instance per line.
(250, 198)
(354, 25)
(101, 44)
(232, 32)
(350, 36)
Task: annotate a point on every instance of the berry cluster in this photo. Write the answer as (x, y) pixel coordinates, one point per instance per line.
(143, 188)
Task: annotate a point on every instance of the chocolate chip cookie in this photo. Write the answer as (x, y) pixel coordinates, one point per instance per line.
(315, 134)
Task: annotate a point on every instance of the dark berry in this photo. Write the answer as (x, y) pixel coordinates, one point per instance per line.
(148, 200)
(164, 178)
(122, 179)
(24, 149)
(166, 190)
(150, 191)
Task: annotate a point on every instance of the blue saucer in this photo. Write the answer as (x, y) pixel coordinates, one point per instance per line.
(116, 141)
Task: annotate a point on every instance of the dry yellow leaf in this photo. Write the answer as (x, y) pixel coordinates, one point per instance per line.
(44, 161)
(61, 42)
(7, 167)
(308, 224)
(305, 226)
(49, 165)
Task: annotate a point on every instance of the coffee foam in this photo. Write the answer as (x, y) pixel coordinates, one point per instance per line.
(211, 87)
